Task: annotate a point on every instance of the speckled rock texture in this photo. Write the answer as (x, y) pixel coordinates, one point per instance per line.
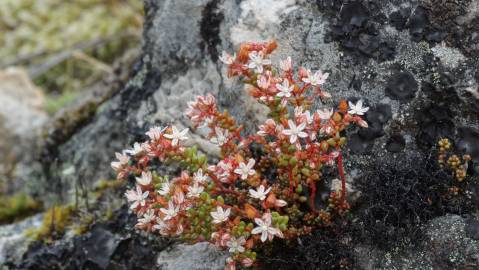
(415, 62)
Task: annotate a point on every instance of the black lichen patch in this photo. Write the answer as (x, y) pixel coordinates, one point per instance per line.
(363, 140)
(435, 21)
(468, 142)
(399, 18)
(396, 144)
(435, 122)
(322, 249)
(397, 200)
(402, 86)
(210, 28)
(357, 31)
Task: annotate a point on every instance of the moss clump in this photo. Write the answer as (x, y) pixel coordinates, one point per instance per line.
(55, 222)
(17, 206)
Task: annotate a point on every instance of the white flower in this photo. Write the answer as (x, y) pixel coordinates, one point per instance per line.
(264, 228)
(194, 191)
(295, 131)
(220, 215)
(236, 245)
(122, 161)
(165, 189)
(137, 197)
(200, 177)
(227, 58)
(177, 135)
(316, 79)
(155, 133)
(221, 136)
(285, 65)
(358, 108)
(245, 169)
(147, 217)
(259, 193)
(145, 178)
(171, 211)
(257, 62)
(137, 149)
(325, 114)
(284, 89)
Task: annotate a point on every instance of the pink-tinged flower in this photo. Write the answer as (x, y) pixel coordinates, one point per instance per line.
(325, 114)
(265, 229)
(357, 108)
(326, 129)
(256, 61)
(236, 245)
(220, 215)
(303, 116)
(200, 177)
(284, 89)
(224, 239)
(161, 226)
(122, 161)
(137, 197)
(177, 135)
(145, 178)
(201, 109)
(269, 127)
(263, 82)
(179, 197)
(171, 211)
(165, 189)
(221, 136)
(245, 170)
(361, 122)
(315, 79)
(247, 262)
(331, 157)
(230, 264)
(280, 203)
(155, 133)
(260, 193)
(227, 58)
(295, 131)
(179, 229)
(286, 65)
(137, 149)
(147, 218)
(194, 191)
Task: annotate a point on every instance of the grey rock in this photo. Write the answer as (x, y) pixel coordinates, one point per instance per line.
(201, 256)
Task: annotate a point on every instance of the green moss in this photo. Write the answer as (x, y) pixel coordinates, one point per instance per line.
(17, 206)
(53, 103)
(54, 224)
(35, 32)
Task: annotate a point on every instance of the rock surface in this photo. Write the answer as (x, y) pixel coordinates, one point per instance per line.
(366, 46)
(22, 116)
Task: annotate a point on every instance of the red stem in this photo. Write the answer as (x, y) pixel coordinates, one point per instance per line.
(341, 174)
(313, 195)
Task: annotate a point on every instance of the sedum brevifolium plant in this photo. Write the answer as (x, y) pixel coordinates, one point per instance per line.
(244, 200)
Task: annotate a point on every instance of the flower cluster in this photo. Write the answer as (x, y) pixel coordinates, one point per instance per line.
(246, 199)
(447, 159)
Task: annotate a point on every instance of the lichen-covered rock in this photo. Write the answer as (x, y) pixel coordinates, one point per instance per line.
(419, 78)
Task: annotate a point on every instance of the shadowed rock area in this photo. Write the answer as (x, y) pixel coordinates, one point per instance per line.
(416, 65)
